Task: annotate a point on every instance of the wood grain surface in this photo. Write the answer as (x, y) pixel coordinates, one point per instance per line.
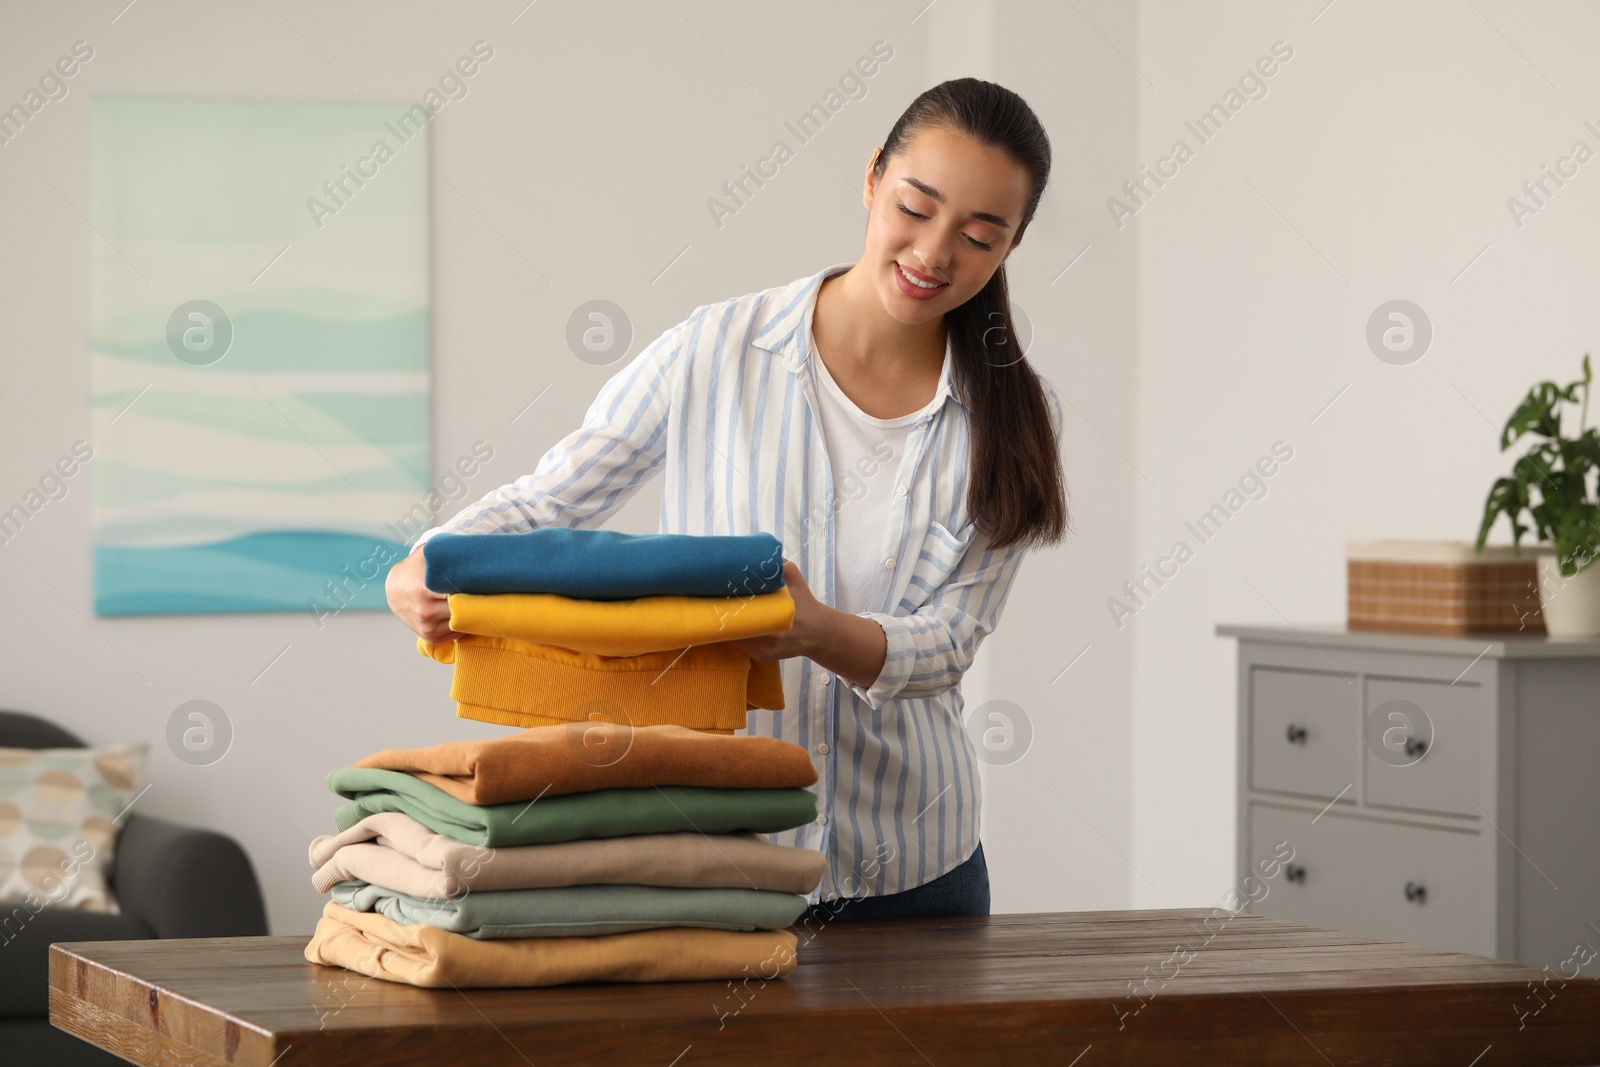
(1171, 986)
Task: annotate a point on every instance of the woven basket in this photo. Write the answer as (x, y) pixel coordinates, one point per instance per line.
(1442, 587)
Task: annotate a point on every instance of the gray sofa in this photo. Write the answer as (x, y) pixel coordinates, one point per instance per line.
(170, 880)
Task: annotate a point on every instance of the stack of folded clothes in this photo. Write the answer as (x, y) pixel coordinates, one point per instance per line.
(559, 621)
(568, 853)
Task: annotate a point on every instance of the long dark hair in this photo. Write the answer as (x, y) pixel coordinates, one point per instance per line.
(1016, 489)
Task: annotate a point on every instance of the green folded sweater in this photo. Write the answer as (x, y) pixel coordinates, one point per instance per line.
(571, 816)
(574, 911)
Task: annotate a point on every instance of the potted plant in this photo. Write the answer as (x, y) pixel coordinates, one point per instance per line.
(1566, 517)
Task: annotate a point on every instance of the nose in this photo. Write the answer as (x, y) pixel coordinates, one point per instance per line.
(936, 264)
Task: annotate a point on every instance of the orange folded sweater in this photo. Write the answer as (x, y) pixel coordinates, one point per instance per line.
(578, 757)
(519, 683)
(422, 955)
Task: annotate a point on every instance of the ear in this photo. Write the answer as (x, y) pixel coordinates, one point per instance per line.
(869, 184)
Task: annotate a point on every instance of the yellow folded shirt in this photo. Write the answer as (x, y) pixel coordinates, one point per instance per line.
(423, 955)
(518, 683)
(621, 627)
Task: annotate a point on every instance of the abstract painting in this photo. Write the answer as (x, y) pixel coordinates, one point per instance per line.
(260, 351)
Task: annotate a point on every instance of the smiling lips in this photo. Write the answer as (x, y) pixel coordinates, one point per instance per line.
(917, 285)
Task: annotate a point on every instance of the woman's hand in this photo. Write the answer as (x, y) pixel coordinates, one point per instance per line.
(426, 612)
(850, 646)
(812, 620)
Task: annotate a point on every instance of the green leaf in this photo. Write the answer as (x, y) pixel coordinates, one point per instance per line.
(1535, 413)
(1550, 481)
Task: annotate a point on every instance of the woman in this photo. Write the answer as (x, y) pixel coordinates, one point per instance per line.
(878, 419)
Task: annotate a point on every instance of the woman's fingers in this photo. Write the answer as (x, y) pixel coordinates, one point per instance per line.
(435, 617)
(424, 611)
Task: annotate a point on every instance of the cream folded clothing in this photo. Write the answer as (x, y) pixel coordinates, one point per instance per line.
(566, 911)
(393, 850)
(423, 955)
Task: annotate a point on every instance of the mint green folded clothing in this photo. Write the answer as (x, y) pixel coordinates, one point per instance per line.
(578, 911)
(571, 816)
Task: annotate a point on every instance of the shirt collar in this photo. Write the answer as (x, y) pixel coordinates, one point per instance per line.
(783, 327)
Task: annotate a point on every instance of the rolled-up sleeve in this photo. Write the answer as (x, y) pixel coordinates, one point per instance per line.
(930, 649)
(594, 470)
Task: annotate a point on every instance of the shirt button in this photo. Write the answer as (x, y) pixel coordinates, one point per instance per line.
(888, 564)
(822, 820)
(826, 678)
(823, 748)
(900, 491)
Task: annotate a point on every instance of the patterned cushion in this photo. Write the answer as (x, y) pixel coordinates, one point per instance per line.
(58, 808)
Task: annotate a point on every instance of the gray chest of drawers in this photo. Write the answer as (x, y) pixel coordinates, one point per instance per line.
(1439, 790)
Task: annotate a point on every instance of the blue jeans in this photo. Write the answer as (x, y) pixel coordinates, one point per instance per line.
(963, 890)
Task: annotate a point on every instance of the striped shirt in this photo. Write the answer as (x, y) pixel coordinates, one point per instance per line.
(723, 406)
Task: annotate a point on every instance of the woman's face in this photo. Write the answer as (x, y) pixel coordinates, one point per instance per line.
(946, 212)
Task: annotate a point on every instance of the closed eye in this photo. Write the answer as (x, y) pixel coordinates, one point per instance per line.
(975, 242)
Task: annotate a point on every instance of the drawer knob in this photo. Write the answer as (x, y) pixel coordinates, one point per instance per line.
(1294, 873)
(1296, 734)
(1416, 746)
(1417, 892)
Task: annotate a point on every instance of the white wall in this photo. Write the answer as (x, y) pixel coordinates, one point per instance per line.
(1057, 824)
(1377, 167)
(583, 156)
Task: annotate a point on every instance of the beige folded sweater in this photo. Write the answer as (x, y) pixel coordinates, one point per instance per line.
(395, 851)
(423, 955)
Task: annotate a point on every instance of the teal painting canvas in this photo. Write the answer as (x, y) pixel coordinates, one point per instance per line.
(260, 351)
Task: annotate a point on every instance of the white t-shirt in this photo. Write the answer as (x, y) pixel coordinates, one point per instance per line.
(865, 453)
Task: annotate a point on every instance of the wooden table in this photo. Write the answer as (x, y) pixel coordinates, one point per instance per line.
(1006, 989)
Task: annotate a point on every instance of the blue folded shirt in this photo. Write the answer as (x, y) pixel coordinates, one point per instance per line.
(604, 564)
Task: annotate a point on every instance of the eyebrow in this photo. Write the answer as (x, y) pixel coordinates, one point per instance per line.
(981, 216)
